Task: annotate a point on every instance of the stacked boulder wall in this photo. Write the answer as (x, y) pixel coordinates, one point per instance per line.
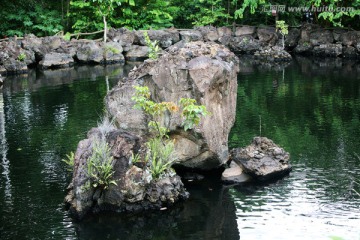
(262, 159)
(206, 72)
(135, 190)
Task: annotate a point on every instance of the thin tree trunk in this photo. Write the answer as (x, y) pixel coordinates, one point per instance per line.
(105, 28)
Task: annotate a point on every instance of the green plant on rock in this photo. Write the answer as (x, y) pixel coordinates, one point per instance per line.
(100, 169)
(154, 48)
(21, 57)
(112, 49)
(70, 161)
(160, 147)
(191, 112)
(160, 155)
(282, 27)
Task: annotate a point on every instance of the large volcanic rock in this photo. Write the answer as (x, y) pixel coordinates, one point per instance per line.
(262, 159)
(206, 72)
(135, 190)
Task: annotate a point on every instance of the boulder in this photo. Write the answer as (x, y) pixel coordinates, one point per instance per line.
(244, 45)
(273, 54)
(137, 53)
(306, 30)
(209, 33)
(191, 35)
(56, 60)
(350, 52)
(90, 52)
(135, 190)
(52, 42)
(235, 174)
(34, 45)
(350, 38)
(163, 37)
(206, 72)
(262, 159)
(303, 48)
(292, 38)
(328, 50)
(321, 36)
(267, 35)
(14, 66)
(338, 34)
(225, 35)
(41, 46)
(113, 53)
(122, 35)
(245, 30)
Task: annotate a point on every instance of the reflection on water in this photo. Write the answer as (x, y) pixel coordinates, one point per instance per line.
(208, 214)
(43, 115)
(4, 161)
(311, 108)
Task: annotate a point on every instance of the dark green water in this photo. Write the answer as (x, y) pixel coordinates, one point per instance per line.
(310, 108)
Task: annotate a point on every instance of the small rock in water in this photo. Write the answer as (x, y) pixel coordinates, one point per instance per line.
(263, 159)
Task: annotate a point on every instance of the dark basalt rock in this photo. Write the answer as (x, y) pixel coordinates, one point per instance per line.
(135, 189)
(262, 159)
(56, 60)
(245, 44)
(273, 54)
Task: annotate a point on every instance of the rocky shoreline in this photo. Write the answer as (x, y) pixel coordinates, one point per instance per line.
(17, 56)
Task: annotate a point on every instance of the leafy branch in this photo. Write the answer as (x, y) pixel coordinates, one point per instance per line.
(160, 147)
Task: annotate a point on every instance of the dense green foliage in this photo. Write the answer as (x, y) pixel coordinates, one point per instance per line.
(49, 17)
(38, 20)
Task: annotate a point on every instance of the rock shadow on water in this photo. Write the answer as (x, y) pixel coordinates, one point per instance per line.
(209, 213)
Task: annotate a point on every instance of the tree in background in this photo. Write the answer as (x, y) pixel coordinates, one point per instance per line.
(48, 17)
(209, 12)
(25, 18)
(335, 18)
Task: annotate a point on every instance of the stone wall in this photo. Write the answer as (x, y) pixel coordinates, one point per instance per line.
(16, 56)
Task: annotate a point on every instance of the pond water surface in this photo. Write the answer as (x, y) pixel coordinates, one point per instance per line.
(309, 107)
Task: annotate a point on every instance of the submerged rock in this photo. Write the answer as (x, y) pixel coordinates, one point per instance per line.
(262, 159)
(135, 190)
(206, 72)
